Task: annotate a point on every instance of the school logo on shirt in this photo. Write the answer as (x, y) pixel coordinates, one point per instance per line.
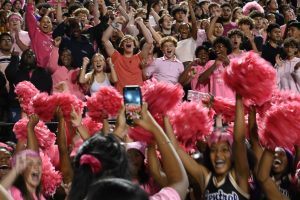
(220, 195)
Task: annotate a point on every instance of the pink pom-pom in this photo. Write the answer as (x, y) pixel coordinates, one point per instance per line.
(51, 179)
(250, 6)
(92, 126)
(281, 126)
(43, 107)
(25, 91)
(66, 101)
(44, 136)
(139, 134)
(106, 101)
(278, 97)
(252, 77)
(53, 154)
(191, 122)
(161, 96)
(225, 107)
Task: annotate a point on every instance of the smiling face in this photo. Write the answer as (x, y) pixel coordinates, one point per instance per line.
(128, 45)
(280, 161)
(33, 172)
(5, 157)
(168, 49)
(218, 29)
(98, 62)
(226, 13)
(46, 24)
(184, 31)
(220, 157)
(167, 22)
(66, 57)
(14, 23)
(203, 56)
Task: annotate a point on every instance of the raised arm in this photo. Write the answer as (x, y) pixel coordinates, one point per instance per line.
(76, 120)
(254, 139)
(268, 185)
(83, 77)
(191, 3)
(59, 13)
(146, 33)
(64, 159)
(107, 34)
(156, 36)
(210, 33)
(197, 171)
(113, 75)
(175, 172)
(241, 166)
(123, 12)
(53, 61)
(155, 167)
(32, 142)
(30, 19)
(188, 74)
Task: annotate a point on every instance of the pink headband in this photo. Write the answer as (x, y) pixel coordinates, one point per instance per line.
(218, 136)
(92, 161)
(5, 146)
(15, 16)
(27, 153)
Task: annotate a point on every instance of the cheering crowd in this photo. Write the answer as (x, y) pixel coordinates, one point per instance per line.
(220, 82)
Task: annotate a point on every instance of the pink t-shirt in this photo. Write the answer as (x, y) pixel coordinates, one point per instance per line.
(217, 85)
(194, 83)
(16, 194)
(166, 193)
(163, 69)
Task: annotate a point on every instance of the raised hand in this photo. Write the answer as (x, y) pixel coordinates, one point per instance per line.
(85, 61)
(33, 120)
(57, 41)
(76, 118)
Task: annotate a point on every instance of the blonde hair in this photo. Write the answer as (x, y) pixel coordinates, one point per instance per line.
(125, 37)
(81, 10)
(93, 71)
(168, 39)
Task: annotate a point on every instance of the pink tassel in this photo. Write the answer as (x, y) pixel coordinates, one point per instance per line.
(43, 107)
(191, 122)
(281, 126)
(250, 6)
(51, 179)
(252, 77)
(92, 126)
(25, 91)
(161, 96)
(44, 136)
(107, 101)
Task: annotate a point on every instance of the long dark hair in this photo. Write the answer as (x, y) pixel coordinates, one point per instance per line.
(21, 185)
(113, 159)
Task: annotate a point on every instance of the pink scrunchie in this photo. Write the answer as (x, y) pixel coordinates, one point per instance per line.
(92, 161)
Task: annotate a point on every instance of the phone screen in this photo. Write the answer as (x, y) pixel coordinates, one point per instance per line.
(133, 103)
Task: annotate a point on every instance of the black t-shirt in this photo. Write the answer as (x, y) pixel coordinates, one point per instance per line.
(269, 53)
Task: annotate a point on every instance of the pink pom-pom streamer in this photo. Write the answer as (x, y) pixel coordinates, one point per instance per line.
(139, 134)
(76, 147)
(25, 91)
(191, 122)
(66, 101)
(281, 126)
(51, 179)
(161, 96)
(43, 107)
(106, 101)
(250, 6)
(44, 136)
(252, 77)
(91, 125)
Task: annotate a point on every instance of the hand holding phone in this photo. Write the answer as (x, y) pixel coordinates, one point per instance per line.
(133, 103)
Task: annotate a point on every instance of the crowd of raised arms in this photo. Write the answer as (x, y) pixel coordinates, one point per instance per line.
(220, 82)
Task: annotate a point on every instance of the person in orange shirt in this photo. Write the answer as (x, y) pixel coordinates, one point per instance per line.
(127, 64)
